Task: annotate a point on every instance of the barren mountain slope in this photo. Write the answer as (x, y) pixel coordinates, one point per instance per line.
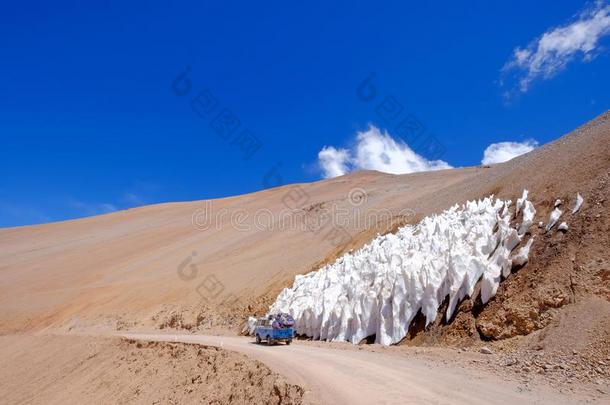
(569, 273)
(133, 268)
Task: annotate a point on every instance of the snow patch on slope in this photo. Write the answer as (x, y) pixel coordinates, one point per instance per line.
(523, 253)
(379, 289)
(554, 217)
(579, 201)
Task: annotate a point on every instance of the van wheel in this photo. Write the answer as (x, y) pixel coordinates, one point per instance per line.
(270, 341)
(289, 341)
(258, 339)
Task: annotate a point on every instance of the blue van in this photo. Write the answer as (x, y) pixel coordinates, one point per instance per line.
(268, 329)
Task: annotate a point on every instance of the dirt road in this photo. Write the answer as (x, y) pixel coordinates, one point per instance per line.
(334, 376)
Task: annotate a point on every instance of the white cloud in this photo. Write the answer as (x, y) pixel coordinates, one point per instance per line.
(334, 162)
(375, 150)
(551, 52)
(504, 151)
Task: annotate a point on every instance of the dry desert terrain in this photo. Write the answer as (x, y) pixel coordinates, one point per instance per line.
(81, 300)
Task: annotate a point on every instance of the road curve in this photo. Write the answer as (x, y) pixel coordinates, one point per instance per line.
(334, 376)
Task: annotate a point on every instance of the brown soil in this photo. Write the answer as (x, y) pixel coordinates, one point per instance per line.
(67, 369)
(561, 299)
(121, 271)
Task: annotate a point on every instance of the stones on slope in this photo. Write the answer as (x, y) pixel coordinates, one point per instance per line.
(509, 362)
(509, 322)
(380, 288)
(486, 350)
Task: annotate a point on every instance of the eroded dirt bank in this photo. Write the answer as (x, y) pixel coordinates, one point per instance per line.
(77, 369)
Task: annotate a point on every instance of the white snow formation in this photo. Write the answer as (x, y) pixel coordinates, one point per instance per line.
(520, 202)
(379, 289)
(579, 201)
(250, 326)
(554, 218)
(557, 203)
(528, 217)
(562, 227)
(523, 253)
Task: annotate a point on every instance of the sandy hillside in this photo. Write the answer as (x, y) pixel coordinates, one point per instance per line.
(204, 266)
(171, 265)
(124, 268)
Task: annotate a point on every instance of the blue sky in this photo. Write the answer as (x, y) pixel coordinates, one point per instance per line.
(92, 118)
